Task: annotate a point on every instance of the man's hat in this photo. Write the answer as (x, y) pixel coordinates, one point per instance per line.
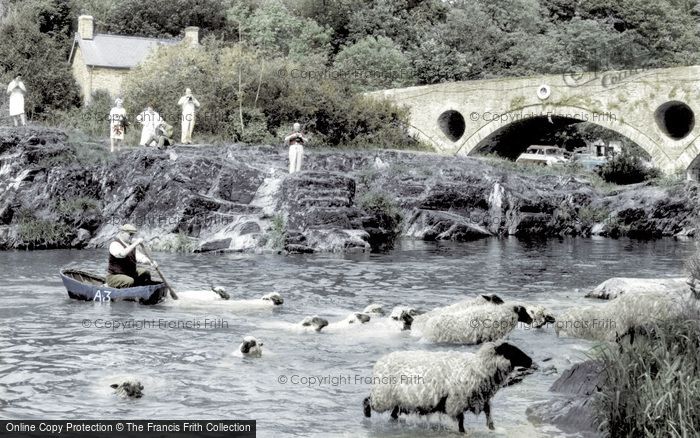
(118, 100)
(128, 228)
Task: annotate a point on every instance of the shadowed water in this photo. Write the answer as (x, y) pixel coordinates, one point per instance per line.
(55, 364)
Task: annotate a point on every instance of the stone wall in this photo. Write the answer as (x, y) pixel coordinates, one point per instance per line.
(91, 79)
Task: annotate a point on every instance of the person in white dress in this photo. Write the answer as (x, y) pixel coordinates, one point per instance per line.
(189, 105)
(150, 121)
(296, 141)
(117, 125)
(16, 91)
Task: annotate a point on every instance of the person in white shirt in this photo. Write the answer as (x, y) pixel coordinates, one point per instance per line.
(296, 141)
(16, 90)
(124, 255)
(189, 105)
(150, 121)
(117, 124)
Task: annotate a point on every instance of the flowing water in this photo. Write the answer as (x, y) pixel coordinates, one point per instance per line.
(56, 364)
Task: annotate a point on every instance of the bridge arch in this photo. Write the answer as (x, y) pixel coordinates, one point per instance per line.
(468, 145)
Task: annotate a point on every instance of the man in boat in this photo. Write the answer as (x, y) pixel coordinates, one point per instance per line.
(122, 270)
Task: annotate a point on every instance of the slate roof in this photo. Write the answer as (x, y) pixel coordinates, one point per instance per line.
(116, 51)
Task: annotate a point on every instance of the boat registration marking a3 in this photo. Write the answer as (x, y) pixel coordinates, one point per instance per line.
(100, 297)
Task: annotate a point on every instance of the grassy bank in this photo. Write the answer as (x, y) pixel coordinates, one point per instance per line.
(652, 387)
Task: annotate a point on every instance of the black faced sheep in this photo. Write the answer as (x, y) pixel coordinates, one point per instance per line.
(482, 319)
(426, 382)
(250, 347)
(128, 389)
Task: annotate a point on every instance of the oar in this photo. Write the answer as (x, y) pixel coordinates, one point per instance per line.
(162, 277)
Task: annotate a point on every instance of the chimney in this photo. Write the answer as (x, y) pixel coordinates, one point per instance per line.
(85, 27)
(192, 35)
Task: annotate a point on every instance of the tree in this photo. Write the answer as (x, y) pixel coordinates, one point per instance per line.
(39, 56)
(165, 19)
(373, 63)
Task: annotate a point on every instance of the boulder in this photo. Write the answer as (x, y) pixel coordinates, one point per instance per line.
(616, 286)
(572, 407)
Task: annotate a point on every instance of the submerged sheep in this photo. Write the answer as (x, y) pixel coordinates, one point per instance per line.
(405, 315)
(130, 388)
(250, 347)
(482, 319)
(221, 298)
(444, 382)
(614, 319)
(314, 322)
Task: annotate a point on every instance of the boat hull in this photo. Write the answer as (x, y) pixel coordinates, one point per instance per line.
(86, 286)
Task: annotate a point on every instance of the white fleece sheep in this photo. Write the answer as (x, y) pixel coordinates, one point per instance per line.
(210, 297)
(611, 320)
(314, 323)
(352, 320)
(448, 382)
(130, 388)
(481, 319)
(374, 309)
(250, 347)
(405, 315)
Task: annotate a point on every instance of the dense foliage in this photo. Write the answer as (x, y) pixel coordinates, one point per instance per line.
(626, 169)
(35, 43)
(349, 45)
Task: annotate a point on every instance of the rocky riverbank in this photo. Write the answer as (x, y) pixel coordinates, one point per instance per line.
(241, 198)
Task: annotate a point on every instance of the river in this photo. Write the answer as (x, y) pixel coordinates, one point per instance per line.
(58, 356)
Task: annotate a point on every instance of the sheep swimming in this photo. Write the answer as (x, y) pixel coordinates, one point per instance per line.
(128, 389)
(274, 297)
(318, 324)
(222, 298)
(220, 291)
(446, 382)
(614, 319)
(482, 319)
(250, 347)
(374, 309)
(405, 315)
(314, 322)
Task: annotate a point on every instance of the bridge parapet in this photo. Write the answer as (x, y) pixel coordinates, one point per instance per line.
(654, 108)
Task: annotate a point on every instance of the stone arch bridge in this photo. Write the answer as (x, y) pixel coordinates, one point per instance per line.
(654, 108)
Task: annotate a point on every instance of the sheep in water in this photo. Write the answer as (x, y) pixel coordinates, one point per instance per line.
(221, 291)
(614, 319)
(128, 389)
(374, 309)
(482, 319)
(250, 347)
(445, 382)
(274, 297)
(352, 320)
(314, 322)
(405, 315)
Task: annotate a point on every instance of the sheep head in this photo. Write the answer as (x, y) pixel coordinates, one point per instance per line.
(314, 321)
(274, 297)
(514, 355)
(251, 347)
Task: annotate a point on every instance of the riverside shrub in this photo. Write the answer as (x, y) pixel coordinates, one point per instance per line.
(232, 83)
(626, 169)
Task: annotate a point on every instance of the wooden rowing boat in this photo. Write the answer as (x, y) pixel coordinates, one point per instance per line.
(87, 286)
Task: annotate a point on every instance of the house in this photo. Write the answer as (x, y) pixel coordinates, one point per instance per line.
(102, 61)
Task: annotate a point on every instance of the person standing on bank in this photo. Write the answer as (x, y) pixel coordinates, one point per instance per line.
(296, 141)
(124, 255)
(189, 105)
(150, 121)
(16, 91)
(117, 124)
